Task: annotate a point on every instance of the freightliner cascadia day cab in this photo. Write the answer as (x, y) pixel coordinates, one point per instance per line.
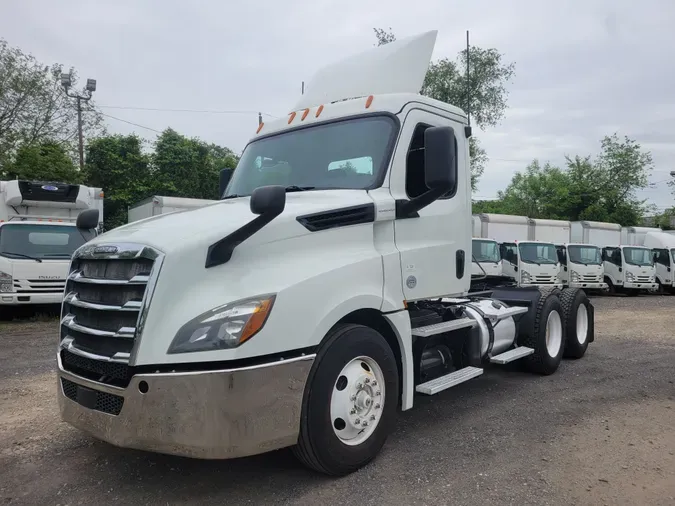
(327, 287)
(662, 246)
(38, 234)
(157, 204)
(526, 261)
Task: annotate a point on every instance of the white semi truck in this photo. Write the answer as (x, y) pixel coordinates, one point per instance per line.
(313, 301)
(662, 246)
(158, 204)
(38, 235)
(627, 269)
(527, 261)
(580, 263)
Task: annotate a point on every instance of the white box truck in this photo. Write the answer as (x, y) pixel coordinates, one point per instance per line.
(312, 302)
(486, 260)
(38, 235)
(635, 236)
(580, 264)
(662, 246)
(627, 269)
(158, 204)
(527, 261)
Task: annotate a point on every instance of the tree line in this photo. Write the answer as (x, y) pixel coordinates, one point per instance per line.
(38, 134)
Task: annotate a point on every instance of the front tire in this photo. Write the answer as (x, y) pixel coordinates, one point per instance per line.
(547, 337)
(350, 401)
(574, 302)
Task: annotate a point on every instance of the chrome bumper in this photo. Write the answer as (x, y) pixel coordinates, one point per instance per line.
(206, 414)
(589, 286)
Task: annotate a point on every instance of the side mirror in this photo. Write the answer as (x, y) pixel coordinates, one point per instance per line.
(268, 200)
(225, 176)
(87, 220)
(440, 169)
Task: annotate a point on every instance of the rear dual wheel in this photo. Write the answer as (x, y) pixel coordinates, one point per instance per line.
(576, 311)
(547, 336)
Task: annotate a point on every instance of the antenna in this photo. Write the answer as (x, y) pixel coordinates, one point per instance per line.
(468, 83)
(303, 87)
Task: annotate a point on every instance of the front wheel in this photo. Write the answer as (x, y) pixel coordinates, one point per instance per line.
(350, 401)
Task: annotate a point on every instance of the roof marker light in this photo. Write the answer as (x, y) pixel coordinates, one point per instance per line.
(319, 111)
(304, 114)
(291, 117)
(369, 101)
(260, 126)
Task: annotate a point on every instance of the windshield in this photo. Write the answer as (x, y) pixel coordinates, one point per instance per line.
(345, 154)
(588, 255)
(39, 241)
(537, 253)
(638, 256)
(485, 251)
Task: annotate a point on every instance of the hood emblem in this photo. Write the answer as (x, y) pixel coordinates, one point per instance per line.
(109, 250)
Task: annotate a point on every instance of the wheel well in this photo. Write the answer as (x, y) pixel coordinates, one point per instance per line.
(374, 319)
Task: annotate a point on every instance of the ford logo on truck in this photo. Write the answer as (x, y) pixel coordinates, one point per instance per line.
(49, 188)
(100, 250)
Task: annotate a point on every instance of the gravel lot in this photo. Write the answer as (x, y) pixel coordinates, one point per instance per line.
(600, 431)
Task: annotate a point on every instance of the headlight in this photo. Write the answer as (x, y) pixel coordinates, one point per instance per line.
(630, 277)
(5, 282)
(574, 276)
(224, 327)
(526, 278)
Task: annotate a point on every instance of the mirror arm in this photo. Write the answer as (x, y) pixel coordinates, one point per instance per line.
(409, 208)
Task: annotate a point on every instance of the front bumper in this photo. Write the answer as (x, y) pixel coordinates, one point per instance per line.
(589, 286)
(20, 299)
(641, 286)
(205, 414)
(543, 285)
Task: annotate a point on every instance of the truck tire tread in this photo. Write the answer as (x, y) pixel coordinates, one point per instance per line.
(540, 362)
(570, 300)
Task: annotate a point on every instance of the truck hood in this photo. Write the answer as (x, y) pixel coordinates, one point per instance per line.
(179, 230)
(47, 270)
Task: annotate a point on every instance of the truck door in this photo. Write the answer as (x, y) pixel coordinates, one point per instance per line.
(509, 252)
(435, 247)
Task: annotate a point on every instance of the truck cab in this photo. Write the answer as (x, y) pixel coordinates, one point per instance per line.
(581, 266)
(662, 246)
(38, 234)
(531, 263)
(486, 258)
(629, 269)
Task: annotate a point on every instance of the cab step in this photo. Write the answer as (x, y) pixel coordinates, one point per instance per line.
(511, 355)
(449, 380)
(440, 328)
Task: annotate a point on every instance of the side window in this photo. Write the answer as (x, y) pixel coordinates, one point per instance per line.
(616, 256)
(561, 255)
(415, 184)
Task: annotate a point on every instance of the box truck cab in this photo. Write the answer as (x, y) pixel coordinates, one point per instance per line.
(38, 235)
(486, 258)
(581, 266)
(629, 269)
(662, 246)
(323, 291)
(531, 263)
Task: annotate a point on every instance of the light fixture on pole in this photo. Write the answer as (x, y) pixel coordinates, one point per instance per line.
(66, 82)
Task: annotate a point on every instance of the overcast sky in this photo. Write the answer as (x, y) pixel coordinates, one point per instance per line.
(584, 68)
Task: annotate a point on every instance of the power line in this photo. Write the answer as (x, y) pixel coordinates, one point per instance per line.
(130, 123)
(200, 111)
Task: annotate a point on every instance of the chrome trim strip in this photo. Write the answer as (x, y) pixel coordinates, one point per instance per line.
(119, 357)
(78, 277)
(71, 298)
(123, 332)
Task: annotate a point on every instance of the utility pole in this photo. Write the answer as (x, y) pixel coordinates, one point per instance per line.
(66, 82)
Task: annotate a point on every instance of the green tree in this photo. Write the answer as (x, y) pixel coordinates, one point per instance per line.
(45, 161)
(603, 189)
(189, 167)
(446, 81)
(34, 107)
(117, 164)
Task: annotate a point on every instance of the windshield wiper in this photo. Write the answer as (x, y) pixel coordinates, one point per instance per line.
(22, 255)
(233, 196)
(296, 188)
(58, 255)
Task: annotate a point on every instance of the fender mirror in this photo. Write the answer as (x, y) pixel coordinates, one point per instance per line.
(225, 176)
(87, 220)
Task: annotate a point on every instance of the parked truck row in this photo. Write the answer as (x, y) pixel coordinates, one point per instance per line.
(585, 254)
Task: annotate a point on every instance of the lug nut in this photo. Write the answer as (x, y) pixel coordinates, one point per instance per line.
(357, 421)
(367, 380)
(377, 406)
(365, 424)
(352, 412)
(372, 417)
(359, 386)
(378, 393)
(374, 383)
(352, 398)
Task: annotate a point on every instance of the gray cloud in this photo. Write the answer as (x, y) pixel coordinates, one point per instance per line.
(584, 68)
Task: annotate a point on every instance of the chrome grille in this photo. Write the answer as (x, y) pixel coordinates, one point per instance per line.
(33, 286)
(544, 280)
(106, 298)
(644, 279)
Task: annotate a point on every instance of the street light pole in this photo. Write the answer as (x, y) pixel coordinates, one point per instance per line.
(66, 82)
